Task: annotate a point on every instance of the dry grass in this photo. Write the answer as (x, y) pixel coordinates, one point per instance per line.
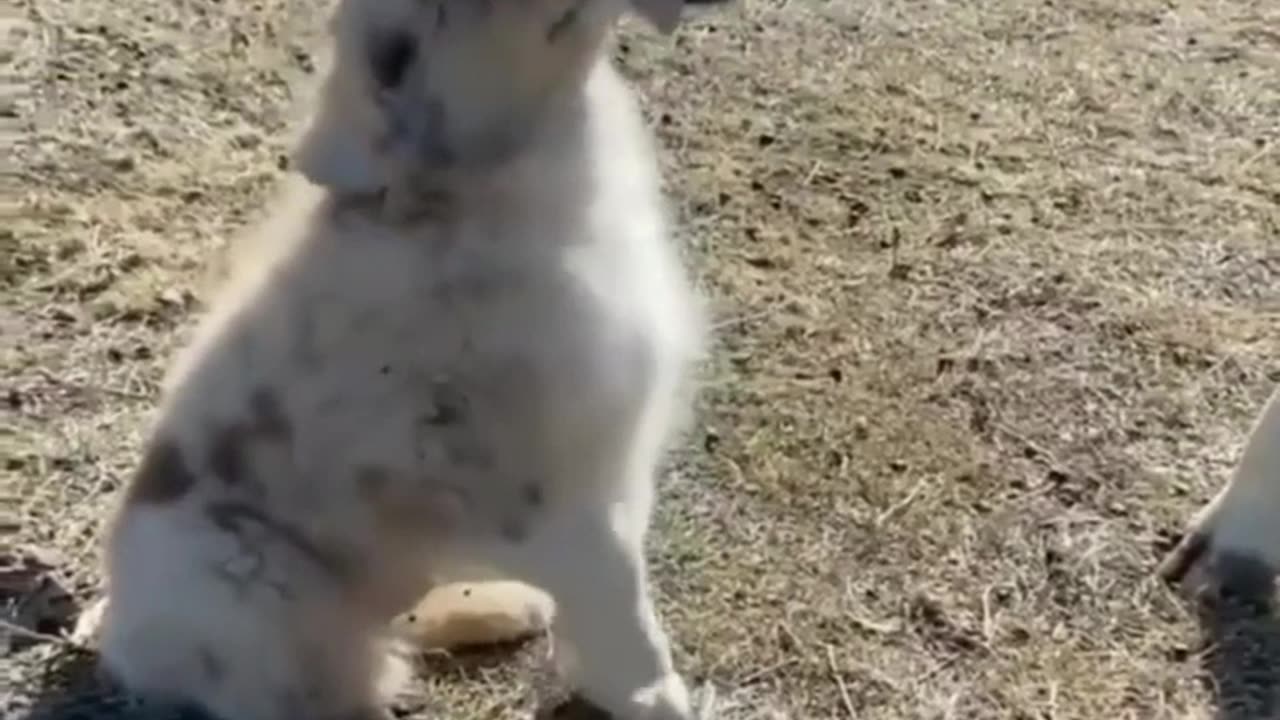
(999, 294)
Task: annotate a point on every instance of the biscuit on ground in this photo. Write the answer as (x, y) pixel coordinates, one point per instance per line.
(458, 615)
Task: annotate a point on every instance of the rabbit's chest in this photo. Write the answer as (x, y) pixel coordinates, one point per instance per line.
(484, 371)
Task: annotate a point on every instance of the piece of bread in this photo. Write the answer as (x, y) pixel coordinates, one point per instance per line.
(461, 614)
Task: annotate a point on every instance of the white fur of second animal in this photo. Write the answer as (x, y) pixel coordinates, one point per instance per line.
(1233, 543)
(467, 343)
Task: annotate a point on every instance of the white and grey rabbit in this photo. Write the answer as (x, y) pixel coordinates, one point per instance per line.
(466, 341)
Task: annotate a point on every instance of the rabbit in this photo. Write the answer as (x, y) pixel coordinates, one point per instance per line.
(463, 339)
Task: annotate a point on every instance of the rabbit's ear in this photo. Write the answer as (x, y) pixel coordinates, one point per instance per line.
(662, 14)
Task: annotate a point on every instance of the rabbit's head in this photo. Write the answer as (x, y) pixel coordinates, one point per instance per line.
(440, 85)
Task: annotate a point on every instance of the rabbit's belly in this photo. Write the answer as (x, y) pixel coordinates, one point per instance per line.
(492, 425)
(412, 433)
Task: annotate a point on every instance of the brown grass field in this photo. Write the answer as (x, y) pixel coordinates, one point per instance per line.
(997, 295)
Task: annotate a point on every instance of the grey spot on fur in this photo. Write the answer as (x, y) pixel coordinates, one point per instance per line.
(470, 455)
(228, 452)
(372, 481)
(269, 419)
(227, 455)
(163, 477)
(562, 24)
(292, 703)
(232, 517)
(449, 405)
(306, 349)
(444, 415)
(391, 56)
(513, 531)
(499, 143)
(213, 667)
(533, 495)
(420, 127)
(433, 148)
(472, 286)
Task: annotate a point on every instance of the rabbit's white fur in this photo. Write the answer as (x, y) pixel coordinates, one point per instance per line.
(1234, 541)
(466, 345)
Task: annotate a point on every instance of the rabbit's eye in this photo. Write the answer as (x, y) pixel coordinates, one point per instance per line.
(392, 57)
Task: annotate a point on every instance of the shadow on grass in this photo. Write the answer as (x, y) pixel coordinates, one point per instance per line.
(64, 684)
(554, 701)
(469, 662)
(67, 686)
(1242, 625)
